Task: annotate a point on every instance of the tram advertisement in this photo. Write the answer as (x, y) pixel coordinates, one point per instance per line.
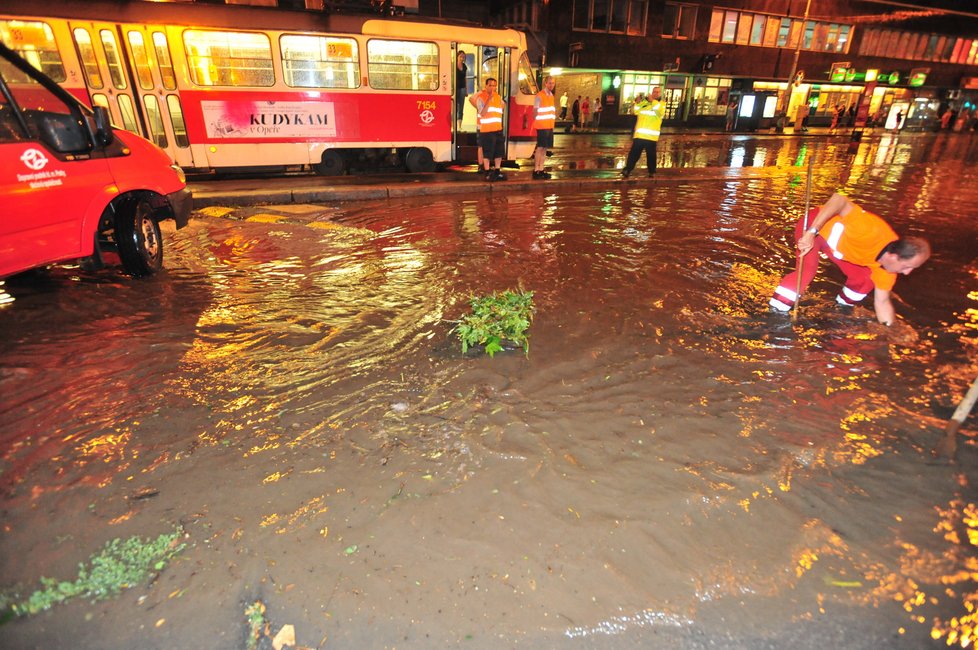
(225, 119)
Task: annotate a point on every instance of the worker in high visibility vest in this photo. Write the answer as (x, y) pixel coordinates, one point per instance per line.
(650, 112)
(544, 117)
(490, 106)
(864, 247)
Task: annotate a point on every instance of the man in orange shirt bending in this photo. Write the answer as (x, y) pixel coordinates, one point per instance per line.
(863, 246)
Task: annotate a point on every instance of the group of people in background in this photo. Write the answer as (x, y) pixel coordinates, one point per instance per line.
(585, 113)
(843, 116)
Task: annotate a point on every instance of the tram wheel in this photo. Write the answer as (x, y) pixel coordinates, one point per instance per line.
(419, 159)
(333, 163)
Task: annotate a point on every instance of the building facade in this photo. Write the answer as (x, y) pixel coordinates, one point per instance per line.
(749, 64)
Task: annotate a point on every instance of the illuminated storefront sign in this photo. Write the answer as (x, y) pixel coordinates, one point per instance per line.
(918, 76)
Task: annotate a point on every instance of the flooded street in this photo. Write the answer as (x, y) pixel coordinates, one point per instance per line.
(670, 466)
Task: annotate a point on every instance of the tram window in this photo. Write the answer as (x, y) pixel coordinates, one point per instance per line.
(402, 65)
(154, 120)
(128, 113)
(112, 59)
(144, 73)
(89, 64)
(98, 99)
(164, 61)
(320, 61)
(176, 118)
(229, 58)
(528, 81)
(34, 41)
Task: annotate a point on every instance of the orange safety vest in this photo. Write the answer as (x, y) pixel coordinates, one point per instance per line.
(859, 238)
(546, 114)
(493, 118)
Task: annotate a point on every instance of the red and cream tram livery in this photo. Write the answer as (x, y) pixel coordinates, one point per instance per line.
(223, 87)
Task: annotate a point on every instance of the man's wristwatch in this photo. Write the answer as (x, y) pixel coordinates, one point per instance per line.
(813, 230)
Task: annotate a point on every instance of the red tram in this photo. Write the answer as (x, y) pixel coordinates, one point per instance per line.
(224, 87)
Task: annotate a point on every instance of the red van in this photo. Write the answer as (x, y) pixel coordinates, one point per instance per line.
(74, 188)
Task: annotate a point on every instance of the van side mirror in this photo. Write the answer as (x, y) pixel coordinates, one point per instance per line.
(104, 135)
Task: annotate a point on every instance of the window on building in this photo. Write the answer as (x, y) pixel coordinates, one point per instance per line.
(744, 28)
(764, 30)
(679, 20)
(903, 46)
(633, 84)
(842, 45)
(611, 16)
(808, 42)
(710, 96)
(757, 32)
(729, 26)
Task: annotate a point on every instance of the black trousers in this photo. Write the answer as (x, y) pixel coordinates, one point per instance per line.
(638, 146)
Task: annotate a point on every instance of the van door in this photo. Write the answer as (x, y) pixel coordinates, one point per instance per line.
(47, 179)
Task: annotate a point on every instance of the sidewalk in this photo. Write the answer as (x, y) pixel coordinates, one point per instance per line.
(332, 189)
(465, 179)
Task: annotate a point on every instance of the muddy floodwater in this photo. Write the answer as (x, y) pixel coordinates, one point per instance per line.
(671, 465)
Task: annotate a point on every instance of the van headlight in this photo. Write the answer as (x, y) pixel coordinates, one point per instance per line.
(180, 174)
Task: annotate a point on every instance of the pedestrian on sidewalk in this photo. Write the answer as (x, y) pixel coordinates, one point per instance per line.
(575, 113)
(731, 115)
(544, 117)
(585, 113)
(862, 245)
(648, 126)
(596, 112)
(836, 117)
(489, 105)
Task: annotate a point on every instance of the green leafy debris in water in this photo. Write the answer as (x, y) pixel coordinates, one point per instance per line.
(496, 318)
(120, 564)
(255, 613)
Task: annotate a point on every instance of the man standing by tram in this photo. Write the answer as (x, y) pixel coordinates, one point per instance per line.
(650, 111)
(544, 118)
(489, 105)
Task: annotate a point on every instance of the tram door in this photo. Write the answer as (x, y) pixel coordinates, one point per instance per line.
(155, 86)
(482, 62)
(105, 73)
(131, 78)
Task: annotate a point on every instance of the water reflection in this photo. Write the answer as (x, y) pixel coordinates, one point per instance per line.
(670, 455)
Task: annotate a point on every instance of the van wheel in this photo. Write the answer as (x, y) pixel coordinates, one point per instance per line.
(137, 235)
(333, 163)
(419, 159)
